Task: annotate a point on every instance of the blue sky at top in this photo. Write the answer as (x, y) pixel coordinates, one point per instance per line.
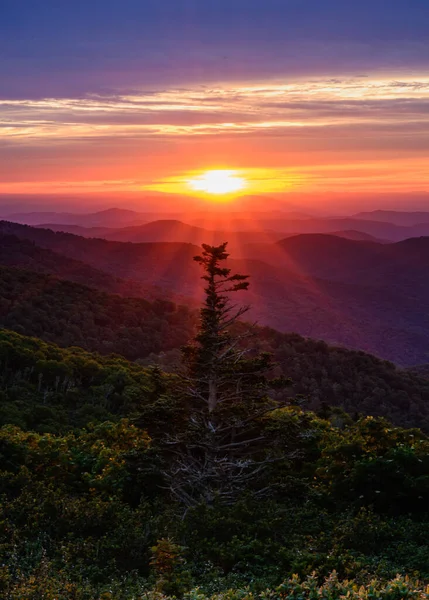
(61, 47)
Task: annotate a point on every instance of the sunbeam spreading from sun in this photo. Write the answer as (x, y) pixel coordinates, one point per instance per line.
(218, 182)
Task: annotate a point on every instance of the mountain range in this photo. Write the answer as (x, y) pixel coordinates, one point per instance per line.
(112, 217)
(402, 218)
(382, 225)
(364, 295)
(25, 254)
(173, 230)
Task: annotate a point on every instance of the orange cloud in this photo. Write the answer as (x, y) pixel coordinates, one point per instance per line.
(326, 134)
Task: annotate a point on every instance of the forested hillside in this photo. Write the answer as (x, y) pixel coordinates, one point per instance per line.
(324, 375)
(357, 382)
(86, 511)
(117, 479)
(25, 254)
(354, 305)
(70, 314)
(163, 264)
(49, 389)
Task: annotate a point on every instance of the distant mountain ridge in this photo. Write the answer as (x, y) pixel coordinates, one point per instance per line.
(358, 236)
(364, 295)
(169, 230)
(403, 218)
(382, 225)
(88, 232)
(378, 229)
(120, 217)
(335, 258)
(173, 230)
(115, 217)
(167, 265)
(25, 254)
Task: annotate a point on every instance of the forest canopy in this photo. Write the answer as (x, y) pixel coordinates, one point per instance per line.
(96, 452)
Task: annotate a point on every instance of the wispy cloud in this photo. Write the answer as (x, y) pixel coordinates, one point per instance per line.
(324, 133)
(218, 110)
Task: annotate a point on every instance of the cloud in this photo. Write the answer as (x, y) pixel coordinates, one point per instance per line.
(142, 136)
(219, 110)
(74, 48)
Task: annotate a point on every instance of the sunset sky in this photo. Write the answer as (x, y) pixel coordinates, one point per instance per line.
(293, 96)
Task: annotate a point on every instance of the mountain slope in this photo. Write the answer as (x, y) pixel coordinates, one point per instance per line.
(328, 288)
(24, 254)
(378, 229)
(112, 217)
(402, 218)
(46, 375)
(328, 256)
(168, 265)
(358, 236)
(355, 381)
(89, 232)
(162, 231)
(389, 323)
(170, 231)
(75, 315)
(70, 314)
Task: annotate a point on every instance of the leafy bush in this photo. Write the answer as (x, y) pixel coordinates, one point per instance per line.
(84, 506)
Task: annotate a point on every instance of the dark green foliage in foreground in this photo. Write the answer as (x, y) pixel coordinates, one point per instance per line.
(355, 381)
(87, 504)
(325, 375)
(332, 588)
(49, 389)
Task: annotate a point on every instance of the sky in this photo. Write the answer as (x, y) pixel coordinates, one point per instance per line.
(311, 98)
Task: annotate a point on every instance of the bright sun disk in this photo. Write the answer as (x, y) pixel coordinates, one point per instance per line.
(217, 182)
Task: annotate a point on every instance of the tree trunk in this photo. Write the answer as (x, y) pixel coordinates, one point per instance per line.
(212, 395)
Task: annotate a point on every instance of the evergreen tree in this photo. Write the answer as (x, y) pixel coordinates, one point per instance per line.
(227, 388)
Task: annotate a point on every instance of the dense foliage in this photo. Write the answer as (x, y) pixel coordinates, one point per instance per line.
(71, 314)
(83, 501)
(48, 389)
(118, 480)
(294, 588)
(422, 370)
(357, 382)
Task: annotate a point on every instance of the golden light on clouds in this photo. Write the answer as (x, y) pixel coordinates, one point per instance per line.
(218, 182)
(218, 142)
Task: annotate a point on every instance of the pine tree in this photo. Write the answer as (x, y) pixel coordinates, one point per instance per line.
(226, 386)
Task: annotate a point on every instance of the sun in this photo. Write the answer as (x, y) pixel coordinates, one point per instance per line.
(218, 182)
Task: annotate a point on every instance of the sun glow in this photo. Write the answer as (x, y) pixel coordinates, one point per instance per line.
(218, 182)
